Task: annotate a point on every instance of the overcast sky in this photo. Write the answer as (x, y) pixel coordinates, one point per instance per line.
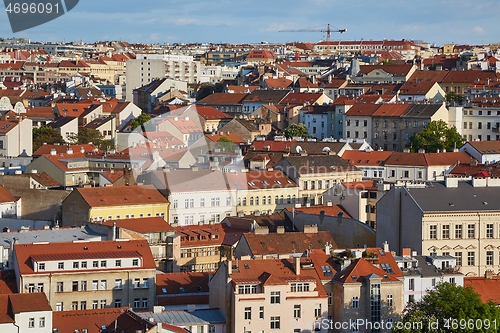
(253, 21)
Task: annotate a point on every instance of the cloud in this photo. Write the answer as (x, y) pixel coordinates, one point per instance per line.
(479, 30)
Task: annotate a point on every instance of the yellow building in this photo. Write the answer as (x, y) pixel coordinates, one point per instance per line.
(113, 202)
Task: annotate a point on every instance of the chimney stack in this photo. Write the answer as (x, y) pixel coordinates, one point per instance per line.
(296, 265)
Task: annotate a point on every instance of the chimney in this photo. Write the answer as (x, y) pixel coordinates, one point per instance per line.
(406, 252)
(53, 152)
(386, 246)
(280, 229)
(327, 248)
(421, 151)
(82, 150)
(488, 274)
(69, 151)
(113, 237)
(229, 268)
(296, 265)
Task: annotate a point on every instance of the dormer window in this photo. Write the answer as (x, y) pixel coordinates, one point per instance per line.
(41, 266)
(60, 265)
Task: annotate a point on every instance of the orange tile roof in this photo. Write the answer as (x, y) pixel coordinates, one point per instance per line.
(29, 302)
(366, 158)
(286, 243)
(192, 282)
(46, 148)
(141, 225)
(360, 269)
(223, 98)
(69, 250)
(428, 159)
(215, 137)
(272, 144)
(390, 110)
(200, 235)
(121, 195)
(488, 289)
(209, 113)
(273, 271)
(5, 196)
(362, 110)
(396, 70)
(332, 210)
(370, 185)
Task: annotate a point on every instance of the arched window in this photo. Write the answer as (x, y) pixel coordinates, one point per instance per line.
(244, 201)
(264, 200)
(294, 199)
(288, 199)
(256, 201)
(276, 200)
(251, 201)
(282, 200)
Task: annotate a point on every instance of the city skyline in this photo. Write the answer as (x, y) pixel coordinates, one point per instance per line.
(460, 22)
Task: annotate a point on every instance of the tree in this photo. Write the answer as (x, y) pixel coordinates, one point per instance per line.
(436, 135)
(224, 144)
(47, 135)
(86, 135)
(453, 97)
(140, 120)
(206, 89)
(450, 308)
(296, 130)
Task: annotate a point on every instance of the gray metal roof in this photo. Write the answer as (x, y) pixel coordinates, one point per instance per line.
(465, 198)
(178, 318)
(49, 235)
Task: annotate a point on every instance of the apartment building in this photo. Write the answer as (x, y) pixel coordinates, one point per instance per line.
(23, 313)
(455, 218)
(83, 275)
(279, 295)
(112, 202)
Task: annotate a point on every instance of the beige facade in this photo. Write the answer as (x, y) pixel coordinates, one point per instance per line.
(88, 275)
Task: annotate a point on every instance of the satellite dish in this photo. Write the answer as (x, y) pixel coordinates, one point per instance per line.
(326, 149)
(298, 149)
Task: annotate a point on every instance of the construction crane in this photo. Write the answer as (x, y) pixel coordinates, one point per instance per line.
(328, 31)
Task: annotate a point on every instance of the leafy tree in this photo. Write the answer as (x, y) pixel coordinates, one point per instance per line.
(437, 135)
(206, 89)
(452, 96)
(296, 130)
(450, 308)
(140, 120)
(224, 144)
(47, 135)
(86, 135)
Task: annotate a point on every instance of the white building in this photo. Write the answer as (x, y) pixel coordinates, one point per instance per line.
(141, 72)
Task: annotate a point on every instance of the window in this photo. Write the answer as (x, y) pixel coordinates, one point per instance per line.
(59, 306)
(41, 322)
(296, 311)
(40, 287)
(317, 310)
(95, 304)
(390, 300)
(261, 312)
(83, 285)
(145, 283)
(458, 256)
(59, 287)
(95, 284)
(248, 313)
(118, 263)
(275, 323)
(411, 284)
(446, 231)
(355, 302)
(330, 298)
(471, 258)
(103, 284)
(211, 328)
(433, 231)
(31, 288)
(489, 257)
(95, 263)
(471, 231)
(60, 265)
(31, 322)
(489, 230)
(175, 203)
(83, 264)
(458, 231)
(118, 284)
(41, 266)
(83, 305)
(118, 303)
(406, 174)
(103, 263)
(452, 280)
(74, 305)
(144, 303)
(275, 297)
(137, 283)
(299, 287)
(137, 302)
(76, 264)
(75, 286)
(202, 202)
(103, 303)
(135, 262)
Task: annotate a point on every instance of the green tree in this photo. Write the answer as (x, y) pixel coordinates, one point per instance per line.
(86, 135)
(140, 120)
(452, 96)
(224, 144)
(450, 308)
(436, 135)
(47, 135)
(296, 130)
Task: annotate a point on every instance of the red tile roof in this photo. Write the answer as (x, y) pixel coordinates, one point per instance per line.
(25, 253)
(428, 159)
(223, 99)
(366, 158)
(121, 195)
(201, 235)
(210, 113)
(5, 196)
(279, 83)
(488, 289)
(390, 110)
(360, 269)
(192, 282)
(29, 302)
(332, 210)
(286, 243)
(273, 145)
(370, 185)
(362, 110)
(141, 225)
(215, 137)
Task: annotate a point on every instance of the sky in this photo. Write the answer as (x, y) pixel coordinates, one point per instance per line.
(254, 21)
